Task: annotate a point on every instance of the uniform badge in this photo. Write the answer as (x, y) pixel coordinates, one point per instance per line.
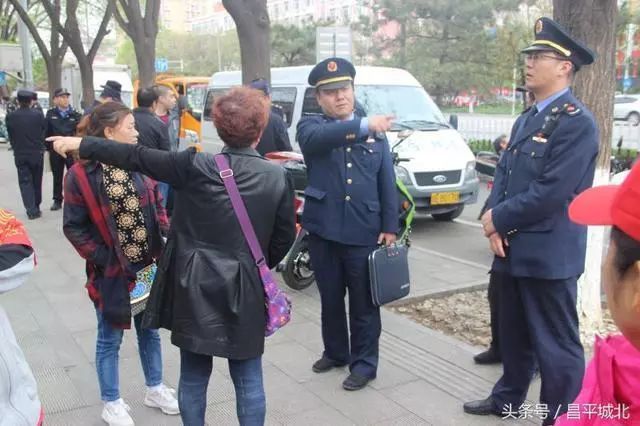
(538, 26)
(539, 138)
(572, 109)
(332, 66)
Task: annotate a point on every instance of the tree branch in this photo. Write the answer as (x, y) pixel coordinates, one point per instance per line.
(102, 32)
(32, 29)
(120, 19)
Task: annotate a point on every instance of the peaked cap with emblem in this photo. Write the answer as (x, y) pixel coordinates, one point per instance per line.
(332, 73)
(550, 36)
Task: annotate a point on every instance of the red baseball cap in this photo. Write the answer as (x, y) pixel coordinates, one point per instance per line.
(613, 205)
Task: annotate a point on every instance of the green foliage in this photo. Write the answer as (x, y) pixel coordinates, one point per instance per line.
(453, 45)
(199, 52)
(40, 73)
(292, 45)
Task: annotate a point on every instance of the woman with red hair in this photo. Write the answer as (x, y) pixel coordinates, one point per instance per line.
(207, 290)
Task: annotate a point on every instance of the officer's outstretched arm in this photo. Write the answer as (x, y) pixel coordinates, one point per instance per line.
(570, 162)
(388, 192)
(316, 136)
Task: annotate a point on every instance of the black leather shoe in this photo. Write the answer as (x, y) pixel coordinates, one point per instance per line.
(355, 382)
(35, 215)
(57, 205)
(325, 364)
(483, 407)
(487, 357)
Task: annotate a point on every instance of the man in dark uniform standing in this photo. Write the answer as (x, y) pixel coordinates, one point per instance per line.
(539, 252)
(351, 206)
(275, 136)
(111, 91)
(62, 120)
(26, 127)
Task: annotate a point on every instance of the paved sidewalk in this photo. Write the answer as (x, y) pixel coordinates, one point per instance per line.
(423, 378)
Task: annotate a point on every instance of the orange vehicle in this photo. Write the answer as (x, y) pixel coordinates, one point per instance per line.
(190, 93)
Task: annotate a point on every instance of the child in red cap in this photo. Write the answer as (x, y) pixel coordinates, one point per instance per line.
(610, 393)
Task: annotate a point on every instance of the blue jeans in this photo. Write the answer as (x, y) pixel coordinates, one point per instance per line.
(163, 189)
(107, 348)
(195, 370)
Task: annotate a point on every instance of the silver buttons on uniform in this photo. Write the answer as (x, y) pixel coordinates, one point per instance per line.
(349, 181)
(349, 165)
(349, 149)
(347, 198)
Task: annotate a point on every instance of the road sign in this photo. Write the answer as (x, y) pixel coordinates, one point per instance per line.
(162, 65)
(3, 78)
(333, 41)
(627, 83)
(10, 57)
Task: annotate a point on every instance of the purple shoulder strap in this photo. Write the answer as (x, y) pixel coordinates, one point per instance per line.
(240, 210)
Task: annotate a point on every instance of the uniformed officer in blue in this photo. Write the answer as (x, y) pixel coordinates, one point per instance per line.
(550, 159)
(351, 206)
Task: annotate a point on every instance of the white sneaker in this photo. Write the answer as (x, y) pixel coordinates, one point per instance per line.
(116, 413)
(163, 398)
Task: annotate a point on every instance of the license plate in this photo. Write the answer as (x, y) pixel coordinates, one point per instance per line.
(445, 198)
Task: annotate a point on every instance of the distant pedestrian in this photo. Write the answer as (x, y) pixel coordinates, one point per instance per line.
(26, 128)
(62, 120)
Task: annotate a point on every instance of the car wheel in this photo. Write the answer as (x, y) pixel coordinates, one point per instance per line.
(633, 118)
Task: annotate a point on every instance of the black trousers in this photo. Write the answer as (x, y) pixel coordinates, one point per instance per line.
(339, 267)
(493, 293)
(30, 167)
(58, 164)
(539, 326)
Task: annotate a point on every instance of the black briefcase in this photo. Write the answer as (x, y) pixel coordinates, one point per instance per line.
(389, 274)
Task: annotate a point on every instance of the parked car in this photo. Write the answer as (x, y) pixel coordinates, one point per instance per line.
(627, 107)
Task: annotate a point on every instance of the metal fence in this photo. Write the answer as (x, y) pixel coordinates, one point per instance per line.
(473, 127)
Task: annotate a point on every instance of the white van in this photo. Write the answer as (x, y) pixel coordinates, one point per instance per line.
(440, 175)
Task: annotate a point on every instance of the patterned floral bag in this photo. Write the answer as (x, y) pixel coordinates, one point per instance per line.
(142, 288)
(277, 303)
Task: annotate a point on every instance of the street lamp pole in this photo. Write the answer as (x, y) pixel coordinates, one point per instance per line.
(25, 43)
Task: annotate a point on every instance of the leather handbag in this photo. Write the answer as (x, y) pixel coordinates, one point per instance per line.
(277, 303)
(389, 274)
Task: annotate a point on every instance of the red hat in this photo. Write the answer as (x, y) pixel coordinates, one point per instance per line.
(615, 205)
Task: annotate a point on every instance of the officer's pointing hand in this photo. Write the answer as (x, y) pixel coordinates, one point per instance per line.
(65, 144)
(380, 123)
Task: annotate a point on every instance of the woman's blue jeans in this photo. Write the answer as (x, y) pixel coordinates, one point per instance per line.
(107, 356)
(195, 371)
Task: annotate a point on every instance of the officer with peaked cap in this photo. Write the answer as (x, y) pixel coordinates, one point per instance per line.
(351, 206)
(26, 127)
(539, 252)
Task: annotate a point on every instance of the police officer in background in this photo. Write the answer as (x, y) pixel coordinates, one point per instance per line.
(351, 206)
(275, 136)
(62, 120)
(26, 127)
(539, 252)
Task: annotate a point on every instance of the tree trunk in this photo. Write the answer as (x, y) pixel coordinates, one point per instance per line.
(594, 22)
(146, 58)
(252, 22)
(54, 75)
(86, 75)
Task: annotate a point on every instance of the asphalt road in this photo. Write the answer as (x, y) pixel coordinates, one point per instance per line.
(461, 239)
